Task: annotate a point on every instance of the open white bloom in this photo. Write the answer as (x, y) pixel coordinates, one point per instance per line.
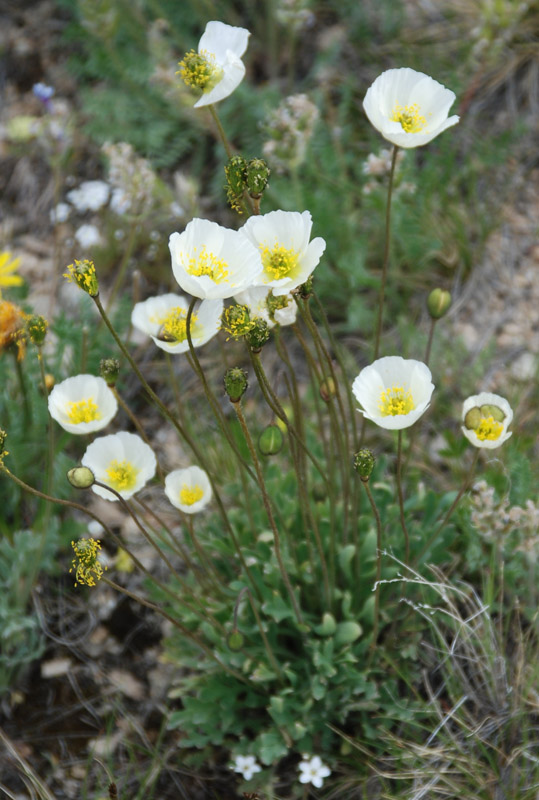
(409, 108)
(486, 417)
(82, 404)
(282, 238)
(164, 318)
(123, 461)
(188, 489)
(393, 391)
(262, 303)
(313, 771)
(247, 766)
(90, 195)
(212, 262)
(217, 68)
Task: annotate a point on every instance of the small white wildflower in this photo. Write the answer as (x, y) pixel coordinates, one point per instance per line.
(313, 771)
(246, 766)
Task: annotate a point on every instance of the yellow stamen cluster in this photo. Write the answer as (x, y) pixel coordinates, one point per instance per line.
(87, 568)
(84, 275)
(396, 401)
(279, 261)
(174, 325)
(3, 451)
(122, 475)
(488, 428)
(409, 118)
(9, 266)
(199, 70)
(206, 263)
(85, 410)
(190, 494)
(236, 321)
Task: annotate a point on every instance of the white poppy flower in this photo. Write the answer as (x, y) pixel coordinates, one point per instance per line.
(89, 196)
(393, 391)
(217, 69)
(82, 404)
(313, 771)
(212, 262)
(262, 303)
(408, 108)
(164, 318)
(288, 258)
(123, 461)
(188, 489)
(486, 417)
(247, 766)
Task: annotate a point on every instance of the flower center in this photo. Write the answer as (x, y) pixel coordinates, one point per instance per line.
(488, 428)
(279, 261)
(200, 71)
(396, 401)
(206, 263)
(174, 325)
(409, 118)
(190, 494)
(122, 475)
(83, 411)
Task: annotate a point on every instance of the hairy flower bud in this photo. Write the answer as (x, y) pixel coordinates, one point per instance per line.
(258, 334)
(81, 477)
(364, 464)
(36, 327)
(270, 440)
(438, 303)
(109, 369)
(84, 275)
(236, 177)
(257, 177)
(235, 383)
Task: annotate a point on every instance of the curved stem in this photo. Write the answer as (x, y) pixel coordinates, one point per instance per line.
(385, 262)
(378, 563)
(401, 499)
(130, 244)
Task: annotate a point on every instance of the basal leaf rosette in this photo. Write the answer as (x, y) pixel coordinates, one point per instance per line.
(485, 418)
(82, 404)
(262, 303)
(393, 391)
(164, 319)
(123, 461)
(188, 489)
(282, 239)
(217, 68)
(409, 108)
(212, 262)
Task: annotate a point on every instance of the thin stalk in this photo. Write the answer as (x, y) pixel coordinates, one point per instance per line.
(134, 419)
(130, 244)
(385, 262)
(429, 342)
(176, 545)
(209, 568)
(401, 498)
(22, 386)
(221, 131)
(465, 485)
(378, 563)
(267, 506)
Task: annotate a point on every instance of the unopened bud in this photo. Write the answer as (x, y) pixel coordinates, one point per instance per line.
(81, 477)
(327, 389)
(235, 383)
(438, 303)
(258, 335)
(235, 641)
(109, 369)
(36, 326)
(257, 177)
(270, 440)
(364, 464)
(306, 289)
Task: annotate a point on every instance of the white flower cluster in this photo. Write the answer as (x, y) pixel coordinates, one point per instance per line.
(495, 519)
(290, 128)
(311, 769)
(132, 178)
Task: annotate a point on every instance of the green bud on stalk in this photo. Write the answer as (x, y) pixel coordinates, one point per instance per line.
(81, 477)
(37, 329)
(258, 335)
(270, 440)
(109, 369)
(235, 383)
(236, 178)
(438, 303)
(364, 464)
(257, 177)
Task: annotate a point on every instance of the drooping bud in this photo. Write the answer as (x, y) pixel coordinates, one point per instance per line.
(438, 303)
(84, 275)
(236, 383)
(257, 177)
(270, 440)
(109, 369)
(258, 334)
(236, 321)
(306, 289)
(364, 463)
(236, 177)
(36, 327)
(81, 477)
(235, 640)
(327, 389)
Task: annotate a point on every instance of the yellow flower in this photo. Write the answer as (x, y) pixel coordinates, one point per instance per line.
(8, 268)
